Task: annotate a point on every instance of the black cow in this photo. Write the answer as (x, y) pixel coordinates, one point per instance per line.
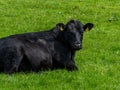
(62, 41)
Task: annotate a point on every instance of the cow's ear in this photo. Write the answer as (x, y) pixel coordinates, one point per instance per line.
(60, 26)
(88, 26)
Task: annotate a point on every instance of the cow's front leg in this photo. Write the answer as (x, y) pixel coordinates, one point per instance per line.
(71, 66)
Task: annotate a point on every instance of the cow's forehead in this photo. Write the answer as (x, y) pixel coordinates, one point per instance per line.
(75, 23)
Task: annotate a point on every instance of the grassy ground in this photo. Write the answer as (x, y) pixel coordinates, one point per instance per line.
(98, 61)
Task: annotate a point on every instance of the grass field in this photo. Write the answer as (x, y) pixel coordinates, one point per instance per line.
(98, 61)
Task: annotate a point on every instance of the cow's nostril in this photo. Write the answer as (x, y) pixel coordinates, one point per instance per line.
(77, 45)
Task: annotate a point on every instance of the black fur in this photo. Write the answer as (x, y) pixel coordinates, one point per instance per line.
(43, 50)
(14, 51)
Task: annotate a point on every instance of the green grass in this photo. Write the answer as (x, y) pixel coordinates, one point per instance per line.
(98, 61)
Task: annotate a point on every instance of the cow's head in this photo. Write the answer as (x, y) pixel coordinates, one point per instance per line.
(73, 33)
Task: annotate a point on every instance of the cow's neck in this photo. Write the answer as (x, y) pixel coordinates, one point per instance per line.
(61, 38)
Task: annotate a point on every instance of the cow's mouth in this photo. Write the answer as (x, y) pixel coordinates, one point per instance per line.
(76, 46)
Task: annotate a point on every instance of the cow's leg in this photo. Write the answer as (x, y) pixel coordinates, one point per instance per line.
(12, 60)
(45, 65)
(70, 66)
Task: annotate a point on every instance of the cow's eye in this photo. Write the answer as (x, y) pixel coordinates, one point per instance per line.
(81, 35)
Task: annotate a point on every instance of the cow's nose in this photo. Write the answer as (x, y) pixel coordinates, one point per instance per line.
(78, 45)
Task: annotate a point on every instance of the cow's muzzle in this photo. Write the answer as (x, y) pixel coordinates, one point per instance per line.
(77, 46)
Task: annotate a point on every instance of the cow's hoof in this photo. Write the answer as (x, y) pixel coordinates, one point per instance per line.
(72, 68)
